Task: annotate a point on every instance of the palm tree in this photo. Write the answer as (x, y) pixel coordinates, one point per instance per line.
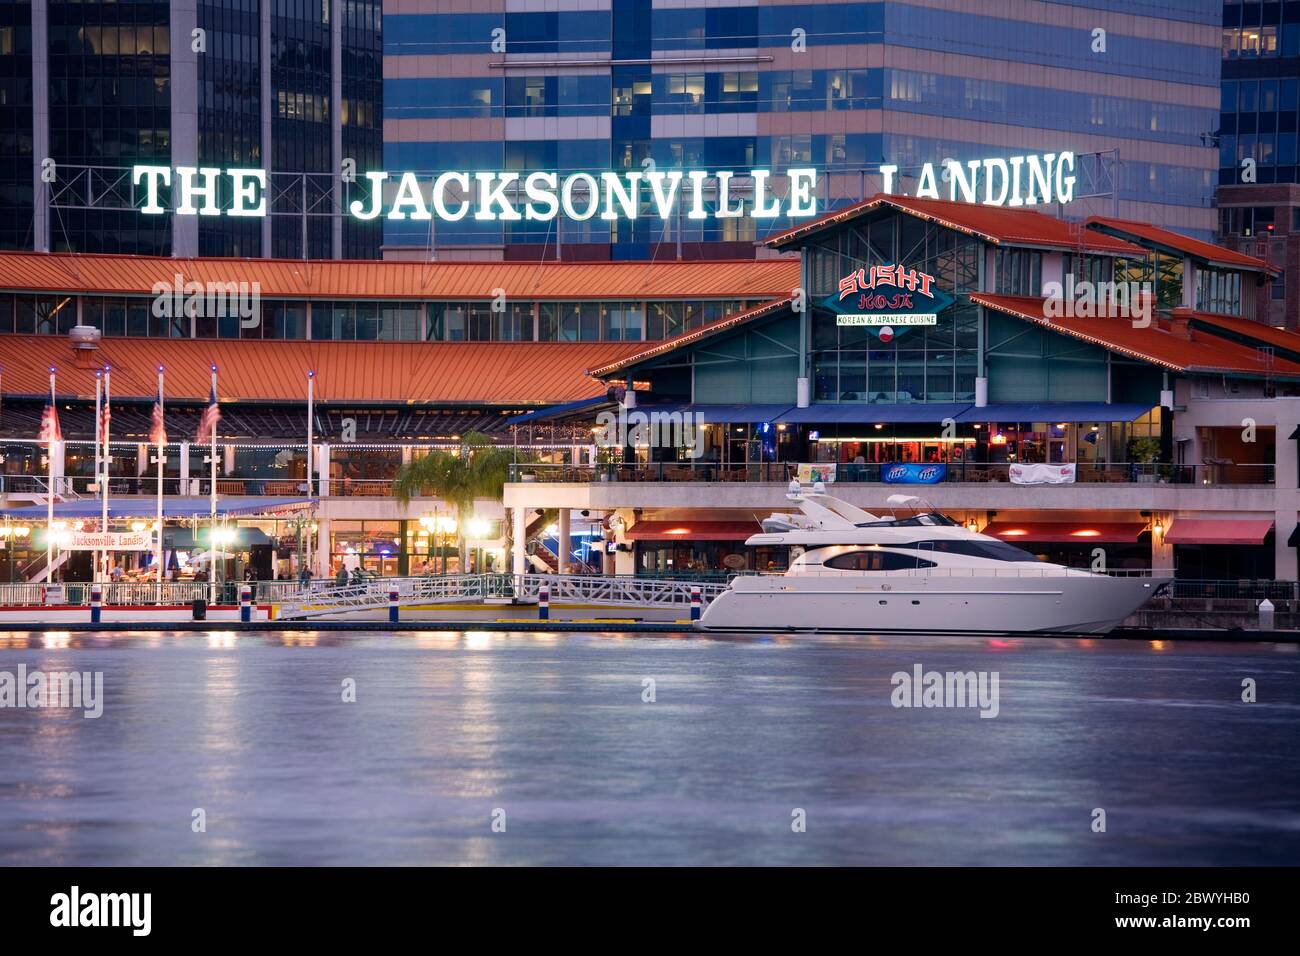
(478, 469)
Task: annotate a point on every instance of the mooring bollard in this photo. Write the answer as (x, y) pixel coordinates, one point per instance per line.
(245, 603)
(1266, 616)
(392, 605)
(96, 603)
(697, 602)
(544, 603)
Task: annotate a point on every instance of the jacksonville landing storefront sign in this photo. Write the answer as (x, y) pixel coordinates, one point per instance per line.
(542, 196)
(886, 297)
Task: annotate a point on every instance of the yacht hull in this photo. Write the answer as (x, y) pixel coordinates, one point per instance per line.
(1068, 603)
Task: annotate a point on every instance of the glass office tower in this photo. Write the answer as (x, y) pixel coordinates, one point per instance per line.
(844, 87)
(294, 86)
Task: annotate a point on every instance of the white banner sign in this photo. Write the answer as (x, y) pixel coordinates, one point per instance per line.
(810, 474)
(109, 541)
(1042, 474)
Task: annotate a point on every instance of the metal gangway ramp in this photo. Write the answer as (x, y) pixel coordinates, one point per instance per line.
(325, 598)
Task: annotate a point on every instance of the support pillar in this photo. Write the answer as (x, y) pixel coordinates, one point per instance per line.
(184, 472)
(518, 559)
(564, 546)
(323, 546)
(1162, 552)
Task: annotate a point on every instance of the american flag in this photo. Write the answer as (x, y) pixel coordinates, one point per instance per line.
(158, 431)
(50, 431)
(105, 416)
(209, 419)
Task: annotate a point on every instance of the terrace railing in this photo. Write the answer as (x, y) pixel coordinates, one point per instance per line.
(956, 472)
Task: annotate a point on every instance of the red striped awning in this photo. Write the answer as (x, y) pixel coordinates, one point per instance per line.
(693, 530)
(1062, 532)
(1219, 530)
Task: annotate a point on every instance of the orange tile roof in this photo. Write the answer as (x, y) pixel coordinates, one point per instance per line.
(1002, 225)
(514, 374)
(1177, 346)
(67, 272)
(1282, 339)
(1215, 255)
(694, 335)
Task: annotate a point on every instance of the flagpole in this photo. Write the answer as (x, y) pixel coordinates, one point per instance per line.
(99, 400)
(212, 504)
(49, 494)
(103, 490)
(160, 437)
(311, 424)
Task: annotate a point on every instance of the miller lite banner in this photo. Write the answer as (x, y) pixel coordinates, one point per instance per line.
(888, 298)
(913, 474)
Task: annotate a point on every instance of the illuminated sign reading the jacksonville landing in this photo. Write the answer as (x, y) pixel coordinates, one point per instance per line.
(510, 197)
(1015, 181)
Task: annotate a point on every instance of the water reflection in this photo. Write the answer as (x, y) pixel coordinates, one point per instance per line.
(559, 732)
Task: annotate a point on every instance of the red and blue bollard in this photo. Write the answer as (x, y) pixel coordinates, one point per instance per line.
(544, 603)
(697, 603)
(245, 603)
(392, 605)
(96, 602)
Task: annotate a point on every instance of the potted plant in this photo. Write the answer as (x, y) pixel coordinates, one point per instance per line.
(1144, 450)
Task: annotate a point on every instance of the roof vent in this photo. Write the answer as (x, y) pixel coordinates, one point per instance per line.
(84, 337)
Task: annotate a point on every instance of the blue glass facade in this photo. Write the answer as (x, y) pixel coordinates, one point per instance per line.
(843, 87)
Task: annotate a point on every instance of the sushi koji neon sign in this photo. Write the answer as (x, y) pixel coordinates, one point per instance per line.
(886, 296)
(505, 196)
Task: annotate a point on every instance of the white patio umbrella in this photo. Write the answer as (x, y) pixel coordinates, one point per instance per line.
(203, 557)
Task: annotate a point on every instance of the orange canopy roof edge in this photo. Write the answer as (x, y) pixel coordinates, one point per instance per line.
(513, 374)
(1062, 532)
(290, 278)
(688, 530)
(1219, 530)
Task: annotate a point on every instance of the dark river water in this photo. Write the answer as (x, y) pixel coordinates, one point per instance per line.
(549, 735)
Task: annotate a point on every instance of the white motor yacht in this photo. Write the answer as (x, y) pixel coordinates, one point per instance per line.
(851, 570)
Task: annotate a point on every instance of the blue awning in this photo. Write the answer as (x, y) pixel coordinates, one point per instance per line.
(556, 411)
(853, 413)
(173, 507)
(1056, 412)
(739, 414)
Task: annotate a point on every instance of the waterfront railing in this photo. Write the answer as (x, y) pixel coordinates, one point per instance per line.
(636, 588)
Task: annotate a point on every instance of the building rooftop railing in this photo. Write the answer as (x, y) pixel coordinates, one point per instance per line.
(1126, 473)
(955, 472)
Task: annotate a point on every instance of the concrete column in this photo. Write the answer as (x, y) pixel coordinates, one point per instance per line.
(1286, 478)
(322, 546)
(518, 559)
(336, 124)
(1162, 553)
(40, 124)
(267, 112)
(322, 470)
(184, 113)
(565, 544)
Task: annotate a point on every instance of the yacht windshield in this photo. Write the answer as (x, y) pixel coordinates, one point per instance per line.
(993, 550)
(931, 519)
